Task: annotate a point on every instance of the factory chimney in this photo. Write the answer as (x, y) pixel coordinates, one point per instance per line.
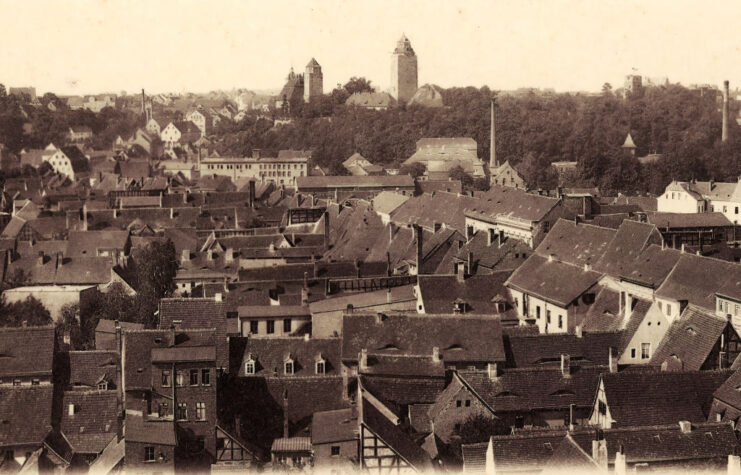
(493, 164)
(726, 100)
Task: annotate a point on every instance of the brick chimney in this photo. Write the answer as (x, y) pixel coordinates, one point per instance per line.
(363, 359)
(436, 356)
(565, 366)
(491, 236)
(41, 258)
(620, 465)
(492, 371)
(461, 272)
(84, 217)
(418, 239)
(251, 198)
(612, 361)
(285, 414)
(685, 427)
(599, 452)
(185, 256)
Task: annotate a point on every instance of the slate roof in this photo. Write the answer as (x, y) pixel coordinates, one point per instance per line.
(554, 281)
(270, 354)
(591, 349)
(687, 220)
(77, 159)
(88, 368)
(459, 338)
(198, 313)
(535, 388)
(94, 422)
(478, 292)
(631, 238)
(697, 279)
(86, 243)
(26, 351)
(160, 432)
(690, 339)
(661, 397)
(394, 437)
(25, 414)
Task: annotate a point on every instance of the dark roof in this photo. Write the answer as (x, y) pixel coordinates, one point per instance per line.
(134, 169)
(652, 266)
(690, 339)
(25, 414)
(109, 326)
(507, 256)
(480, 293)
(505, 202)
(554, 281)
(697, 279)
(394, 181)
(334, 426)
(270, 354)
(429, 209)
(77, 159)
(184, 354)
(27, 351)
(460, 338)
(397, 393)
(86, 243)
(94, 422)
(198, 313)
(688, 220)
(661, 397)
(88, 368)
(546, 349)
(629, 241)
(160, 432)
(576, 244)
(570, 456)
(395, 437)
(528, 389)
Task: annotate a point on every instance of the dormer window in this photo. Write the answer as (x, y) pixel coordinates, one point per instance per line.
(288, 366)
(103, 386)
(321, 366)
(249, 365)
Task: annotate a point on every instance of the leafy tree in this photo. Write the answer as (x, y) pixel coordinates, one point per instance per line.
(414, 170)
(479, 428)
(358, 84)
(459, 174)
(69, 321)
(29, 312)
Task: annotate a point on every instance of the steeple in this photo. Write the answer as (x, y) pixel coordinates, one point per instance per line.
(403, 71)
(629, 144)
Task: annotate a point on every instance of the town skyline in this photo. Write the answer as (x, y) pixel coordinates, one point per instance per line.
(502, 45)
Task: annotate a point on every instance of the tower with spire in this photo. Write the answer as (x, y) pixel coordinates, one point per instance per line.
(313, 81)
(403, 71)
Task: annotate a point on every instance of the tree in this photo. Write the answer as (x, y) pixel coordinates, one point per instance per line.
(479, 428)
(458, 173)
(152, 273)
(414, 170)
(29, 312)
(358, 84)
(69, 323)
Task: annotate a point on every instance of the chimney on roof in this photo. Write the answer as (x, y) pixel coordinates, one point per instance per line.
(304, 296)
(185, 256)
(469, 269)
(229, 255)
(145, 407)
(612, 361)
(60, 260)
(493, 163)
(210, 254)
(460, 273)
(599, 452)
(683, 250)
(491, 236)
(363, 359)
(172, 336)
(84, 217)
(734, 464)
(550, 257)
(578, 331)
(71, 410)
(218, 297)
(565, 366)
(256, 153)
(418, 240)
(41, 258)
(436, 355)
(238, 427)
(685, 427)
(587, 267)
(726, 100)
(620, 465)
(285, 414)
(492, 371)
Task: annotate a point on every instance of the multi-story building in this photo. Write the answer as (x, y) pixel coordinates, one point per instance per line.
(69, 161)
(702, 197)
(281, 170)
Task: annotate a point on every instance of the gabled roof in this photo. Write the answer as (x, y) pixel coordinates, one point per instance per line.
(94, 422)
(270, 354)
(477, 292)
(87, 243)
(629, 142)
(371, 99)
(460, 338)
(88, 368)
(359, 182)
(435, 208)
(540, 350)
(696, 279)
(661, 397)
(388, 201)
(502, 202)
(631, 238)
(690, 339)
(160, 432)
(688, 220)
(25, 415)
(26, 351)
(334, 426)
(400, 442)
(78, 160)
(576, 244)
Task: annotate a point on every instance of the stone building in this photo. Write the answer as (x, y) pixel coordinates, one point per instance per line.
(313, 81)
(403, 71)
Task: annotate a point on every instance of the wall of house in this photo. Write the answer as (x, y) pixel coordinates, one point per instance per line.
(376, 456)
(54, 298)
(298, 324)
(651, 331)
(725, 306)
(530, 303)
(323, 458)
(268, 169)
(601, 411)
(459, 405)
(134, 458)
(730, 209)
(679, 202)
(258, 263)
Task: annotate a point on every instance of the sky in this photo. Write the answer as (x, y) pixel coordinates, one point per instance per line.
(91, 46)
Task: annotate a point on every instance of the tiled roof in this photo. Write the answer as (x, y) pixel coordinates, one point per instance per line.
(26, 351)
(505, 202)
(135, 169)
(397, 440)
(688, 220)
(477, 292)
(88, 368)
(393, 181)
(697, 279)
(576, 244)
(460, 338)
(77, 159)
(529, 389)
(435, 208)
(94, 422)
(507, 256)
(363, 300)
(270, 354)
(291, 444)
(334, 426)
(553, 281)
(86, 243)
(653, 397)
(652, 266)
(591, 349)
(399, 392)
(198, 313)
(604, 314)
(570, 457)
(387, 201)
(690, 339)
(371, 99)
(160, 432)
(631, 238)
(109, 326)
(25, 414)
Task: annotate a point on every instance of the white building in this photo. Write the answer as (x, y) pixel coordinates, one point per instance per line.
(702, 197)
(281, 170)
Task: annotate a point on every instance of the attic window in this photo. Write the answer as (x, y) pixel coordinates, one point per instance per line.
(548, 446)
(249, 366)
(563, 392)
(320, 367)
(691, 331)
(158, 340)
(288, 367)
(505, 393)
(454, 346)
(708, 435)
(389, 346)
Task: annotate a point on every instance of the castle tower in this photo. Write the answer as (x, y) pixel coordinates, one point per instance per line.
(403, 71)
(313, 81)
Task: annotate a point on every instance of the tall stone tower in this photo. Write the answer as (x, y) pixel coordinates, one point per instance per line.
(403, 71)
(313, 81)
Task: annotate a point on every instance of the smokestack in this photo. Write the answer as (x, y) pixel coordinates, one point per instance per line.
(285, 414)
(418, 239)
(326, 230)
(725, 110)
(84, 216)
(493, 164)
(252, 193)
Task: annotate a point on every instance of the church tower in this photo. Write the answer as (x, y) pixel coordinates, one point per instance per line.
(313, 81)
(403, 71)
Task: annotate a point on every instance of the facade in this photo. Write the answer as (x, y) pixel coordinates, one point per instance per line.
(202, 119)
(403, 71)
(274, 320)
(313, 81)
(180, 133)
(79, 134)
(278, 170)
(702, 197)
(69, 161)
(507, 175)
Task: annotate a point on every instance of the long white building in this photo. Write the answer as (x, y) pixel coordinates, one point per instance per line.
(281, 170)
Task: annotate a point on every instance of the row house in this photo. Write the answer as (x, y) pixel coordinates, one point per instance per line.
(281, 170)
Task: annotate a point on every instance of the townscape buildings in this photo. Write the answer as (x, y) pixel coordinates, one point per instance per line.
(370, 321)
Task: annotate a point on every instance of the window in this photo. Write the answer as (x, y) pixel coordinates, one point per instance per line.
(286, 325)
(668, 309)
(335, 451)
(537, 312)
(320, 367)
(249, 367)
(645, 351)
(182, 412)
(736, 210)
(253, 327)
(458, 403)
(194, 377)
(180, 378)
(602, 407)
(560, 321)
(16, 382)
(548, 316)
(271, 326)
(162, 410)
(468, 403)
(205, 377)
(35, 382)
(289, 367)
(632, 352)
(149, 454)
(103, 386)
(166, 378)
(201, 411)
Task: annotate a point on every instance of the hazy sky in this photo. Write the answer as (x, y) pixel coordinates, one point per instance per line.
(79, 46)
